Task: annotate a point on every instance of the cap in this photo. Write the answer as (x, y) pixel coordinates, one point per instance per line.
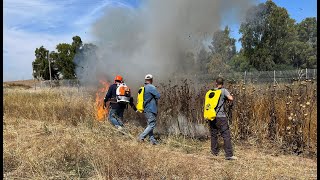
(148, 76)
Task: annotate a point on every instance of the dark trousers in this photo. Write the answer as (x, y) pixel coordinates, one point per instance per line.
(220, 124)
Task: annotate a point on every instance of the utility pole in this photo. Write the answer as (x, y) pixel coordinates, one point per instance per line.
(34, 71)
(49, 68)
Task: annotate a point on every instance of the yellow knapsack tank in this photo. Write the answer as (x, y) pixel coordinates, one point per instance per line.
(210, 103)
(140, 105)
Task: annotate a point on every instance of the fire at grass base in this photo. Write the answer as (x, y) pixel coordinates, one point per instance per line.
(100, 94)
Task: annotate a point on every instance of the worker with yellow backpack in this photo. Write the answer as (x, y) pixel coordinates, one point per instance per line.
(147, 103)
(216, 117)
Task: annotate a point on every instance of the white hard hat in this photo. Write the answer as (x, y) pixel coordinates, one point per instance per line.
(148, 76)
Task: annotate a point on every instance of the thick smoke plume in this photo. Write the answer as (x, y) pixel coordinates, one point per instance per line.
(154, 37)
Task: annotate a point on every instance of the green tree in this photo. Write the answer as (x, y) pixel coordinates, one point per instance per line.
(303, 50)
(64, 60)
(307, 31)
(223, 44)
(53, 56)
(222, 48)
(65, 57)
(76, 44)
(40, 65)
(240, 63)
(266, 35)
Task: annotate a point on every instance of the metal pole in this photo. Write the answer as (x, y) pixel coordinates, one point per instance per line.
(34, 82)
(33, 76)
(38, 72)
(306, 73)
(49, 69)
(274, 77)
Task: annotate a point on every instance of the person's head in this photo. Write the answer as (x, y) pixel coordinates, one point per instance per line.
(148, 78)
(118, 79)
(219, 82)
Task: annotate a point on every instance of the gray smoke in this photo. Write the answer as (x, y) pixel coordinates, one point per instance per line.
(153, 38)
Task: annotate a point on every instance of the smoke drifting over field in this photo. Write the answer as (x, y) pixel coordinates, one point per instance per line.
(154, 37)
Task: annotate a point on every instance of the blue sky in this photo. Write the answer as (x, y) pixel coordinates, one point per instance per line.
(28, 24)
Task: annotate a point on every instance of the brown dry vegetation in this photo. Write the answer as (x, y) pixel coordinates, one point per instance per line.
(23, 83)
(52, 134)
(284, 115)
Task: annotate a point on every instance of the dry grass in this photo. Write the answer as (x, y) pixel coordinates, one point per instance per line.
(52, 134)
(23, 83)
(36, 149)
(65, 105)
(284, 116)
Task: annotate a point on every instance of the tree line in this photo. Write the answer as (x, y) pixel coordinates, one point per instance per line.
(270, 40)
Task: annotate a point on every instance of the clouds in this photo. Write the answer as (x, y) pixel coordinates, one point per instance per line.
(19, 51)
(30, 24)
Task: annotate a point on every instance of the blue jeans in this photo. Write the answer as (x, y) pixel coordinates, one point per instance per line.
(116, 112)
(151, 120)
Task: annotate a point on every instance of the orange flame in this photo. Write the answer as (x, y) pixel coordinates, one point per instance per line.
(100, 94)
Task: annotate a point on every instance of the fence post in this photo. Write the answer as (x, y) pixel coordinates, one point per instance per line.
(274, 77)
(34, 82)
(78, 83)
(306, 73)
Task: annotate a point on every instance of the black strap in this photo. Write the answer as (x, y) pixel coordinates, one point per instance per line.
(144, 105)
(219, 101)
(221, 106)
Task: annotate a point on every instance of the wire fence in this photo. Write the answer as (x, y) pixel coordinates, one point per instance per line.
(257, 77)
(57, 83)
(260, 77)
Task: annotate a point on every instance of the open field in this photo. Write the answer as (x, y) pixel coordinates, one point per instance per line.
(22, 83)
(53, 134)
(35, 149)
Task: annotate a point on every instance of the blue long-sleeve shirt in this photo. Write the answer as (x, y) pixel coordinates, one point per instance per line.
(151, 97)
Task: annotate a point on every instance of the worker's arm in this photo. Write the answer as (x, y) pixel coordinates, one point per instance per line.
(108, 96)
(155, 93)
(228, 95)
(132, 104)
(230, 98)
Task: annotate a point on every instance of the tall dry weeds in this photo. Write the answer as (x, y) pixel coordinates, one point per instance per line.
(53, 134)
(283, 115)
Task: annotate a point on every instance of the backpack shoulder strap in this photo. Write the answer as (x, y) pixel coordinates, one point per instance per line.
(149, 99)
(219, 101)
